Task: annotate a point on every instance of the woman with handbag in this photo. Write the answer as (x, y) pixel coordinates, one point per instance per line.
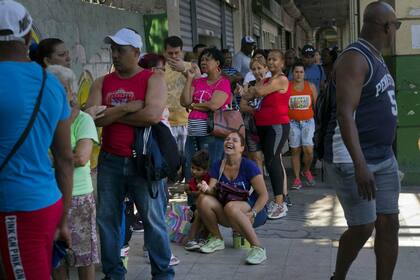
(201, 96)
(235, 197)
(273, 127)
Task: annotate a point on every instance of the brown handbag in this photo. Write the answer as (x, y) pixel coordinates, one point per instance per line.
(222, 122)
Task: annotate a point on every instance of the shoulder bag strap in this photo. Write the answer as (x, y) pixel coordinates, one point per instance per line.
(222, 168)
(30, 123)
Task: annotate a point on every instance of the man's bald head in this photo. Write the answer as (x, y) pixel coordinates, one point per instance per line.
(380, 24)
(378, 12)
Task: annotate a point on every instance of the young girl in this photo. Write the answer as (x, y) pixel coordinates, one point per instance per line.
(199, 171)
(248, 105)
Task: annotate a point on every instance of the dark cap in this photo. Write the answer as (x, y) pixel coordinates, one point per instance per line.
(308, 50)
(248, 40)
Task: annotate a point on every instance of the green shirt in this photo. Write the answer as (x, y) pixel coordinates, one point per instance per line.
(83, 127)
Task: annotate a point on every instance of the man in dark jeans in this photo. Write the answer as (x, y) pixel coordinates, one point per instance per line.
(135, 97)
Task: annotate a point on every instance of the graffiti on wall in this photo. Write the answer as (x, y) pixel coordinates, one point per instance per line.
(155, 30)
(36, 34)
(92, 67)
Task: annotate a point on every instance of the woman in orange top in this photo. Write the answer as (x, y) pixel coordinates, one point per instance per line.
(302, 126)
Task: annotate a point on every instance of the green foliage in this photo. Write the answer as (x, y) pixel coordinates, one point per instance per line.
(156, 30)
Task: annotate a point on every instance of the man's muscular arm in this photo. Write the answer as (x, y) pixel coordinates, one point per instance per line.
(154, 104)
(350, 75)
(112, 114)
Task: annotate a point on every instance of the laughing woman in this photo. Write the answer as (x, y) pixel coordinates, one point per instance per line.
(241, 174)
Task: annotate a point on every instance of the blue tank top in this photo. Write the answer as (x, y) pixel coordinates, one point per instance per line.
(375, 116)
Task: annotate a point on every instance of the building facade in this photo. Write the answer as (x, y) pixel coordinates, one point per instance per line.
(222, 23)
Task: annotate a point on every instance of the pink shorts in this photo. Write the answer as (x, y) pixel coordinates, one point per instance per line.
(26, 241)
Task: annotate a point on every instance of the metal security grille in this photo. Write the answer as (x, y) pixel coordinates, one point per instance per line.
(209, 18)
(257, 28)
(186, 24)
(229, 27)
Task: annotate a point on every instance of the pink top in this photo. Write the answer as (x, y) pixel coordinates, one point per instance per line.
(203, 92)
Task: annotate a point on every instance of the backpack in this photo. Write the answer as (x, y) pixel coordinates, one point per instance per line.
(323, 109)
(156, 153)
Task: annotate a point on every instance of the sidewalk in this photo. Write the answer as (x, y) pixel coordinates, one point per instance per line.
(303, 245)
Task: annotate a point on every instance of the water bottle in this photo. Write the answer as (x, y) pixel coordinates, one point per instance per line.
(239, 242)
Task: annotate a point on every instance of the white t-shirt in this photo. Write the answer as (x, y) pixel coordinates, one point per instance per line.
(240, 62)
(249, 77)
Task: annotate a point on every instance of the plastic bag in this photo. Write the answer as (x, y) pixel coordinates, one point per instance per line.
(178, 221)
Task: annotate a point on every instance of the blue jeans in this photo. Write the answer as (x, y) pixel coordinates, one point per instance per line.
(214, 145)
(117, 177)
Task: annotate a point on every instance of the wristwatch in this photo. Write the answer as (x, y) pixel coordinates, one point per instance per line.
(254, 213)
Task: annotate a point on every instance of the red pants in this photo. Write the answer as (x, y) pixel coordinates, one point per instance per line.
(26, 241)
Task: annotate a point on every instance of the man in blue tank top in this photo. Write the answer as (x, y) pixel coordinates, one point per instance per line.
(360, 162)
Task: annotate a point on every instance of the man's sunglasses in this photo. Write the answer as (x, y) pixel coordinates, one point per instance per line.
(396, 23)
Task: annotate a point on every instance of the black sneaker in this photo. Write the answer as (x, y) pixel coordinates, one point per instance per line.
(288, 201)
(137, 227)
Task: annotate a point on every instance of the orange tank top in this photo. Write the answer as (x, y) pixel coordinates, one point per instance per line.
(300, 103)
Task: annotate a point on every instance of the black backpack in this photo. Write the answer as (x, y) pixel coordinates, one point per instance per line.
(156, 154)
(323, 110)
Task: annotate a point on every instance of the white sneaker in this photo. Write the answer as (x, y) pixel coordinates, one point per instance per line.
(124, 251)
(278, 211)
(174, 260)
(270, 207)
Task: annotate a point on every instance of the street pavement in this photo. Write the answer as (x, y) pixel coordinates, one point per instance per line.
(302, 245)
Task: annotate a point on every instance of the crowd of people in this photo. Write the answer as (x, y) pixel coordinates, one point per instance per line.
(276, 93)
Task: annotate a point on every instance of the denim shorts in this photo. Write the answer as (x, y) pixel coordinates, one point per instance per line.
(261, 217)
(359, 211)
(301, 133)
(252, 139)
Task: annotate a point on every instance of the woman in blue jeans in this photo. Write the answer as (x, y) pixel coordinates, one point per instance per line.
(201, 96)
(242, 216)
